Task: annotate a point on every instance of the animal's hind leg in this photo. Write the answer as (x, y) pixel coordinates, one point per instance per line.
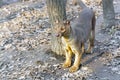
(92, 36)
(91, 42)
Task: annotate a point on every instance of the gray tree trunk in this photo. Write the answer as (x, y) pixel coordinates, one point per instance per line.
(108, 13)
(57, 12)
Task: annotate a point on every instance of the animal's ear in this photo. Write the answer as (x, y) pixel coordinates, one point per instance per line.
(57, 21)
(66, 22)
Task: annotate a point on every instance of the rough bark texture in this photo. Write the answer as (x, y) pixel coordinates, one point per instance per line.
(108, 13)
(57, 12)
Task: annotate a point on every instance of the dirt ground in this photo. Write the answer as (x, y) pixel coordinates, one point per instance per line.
(25, 44)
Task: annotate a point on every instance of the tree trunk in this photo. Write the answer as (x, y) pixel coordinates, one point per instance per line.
(57, 12)
(108, 13)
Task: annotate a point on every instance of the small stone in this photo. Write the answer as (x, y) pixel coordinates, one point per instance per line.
(84, 68)
(22, 77)
(114, 69)
(8, 46)
(52, 58)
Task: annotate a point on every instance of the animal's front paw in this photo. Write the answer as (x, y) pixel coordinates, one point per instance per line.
(66, 64)
(73, 69)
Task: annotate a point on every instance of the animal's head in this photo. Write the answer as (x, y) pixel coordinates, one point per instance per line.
(62, 30)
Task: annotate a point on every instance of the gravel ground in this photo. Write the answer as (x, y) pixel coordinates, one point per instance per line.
(25, 44)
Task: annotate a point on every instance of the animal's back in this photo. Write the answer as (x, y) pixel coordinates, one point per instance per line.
(85, 16)
(82, 25)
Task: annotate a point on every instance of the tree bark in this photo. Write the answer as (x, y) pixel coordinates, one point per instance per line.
(57, 12)
(108, 13)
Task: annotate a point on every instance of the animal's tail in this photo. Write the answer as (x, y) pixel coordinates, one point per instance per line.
(93, 22)
(82, 5)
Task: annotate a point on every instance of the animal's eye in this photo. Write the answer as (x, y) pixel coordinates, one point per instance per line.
(62, 28)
